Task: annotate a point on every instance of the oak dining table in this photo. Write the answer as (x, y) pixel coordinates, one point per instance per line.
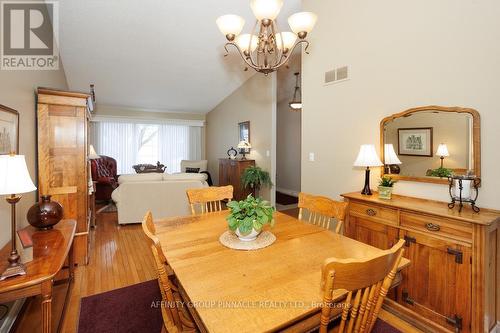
(276, 288)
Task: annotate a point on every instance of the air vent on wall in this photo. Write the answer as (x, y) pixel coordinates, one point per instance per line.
(337, 75)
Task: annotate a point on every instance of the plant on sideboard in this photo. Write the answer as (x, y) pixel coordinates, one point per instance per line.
(385, 187)
(254, 178)
(247, 217)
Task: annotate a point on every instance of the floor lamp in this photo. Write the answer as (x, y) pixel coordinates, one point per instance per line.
(14, 179)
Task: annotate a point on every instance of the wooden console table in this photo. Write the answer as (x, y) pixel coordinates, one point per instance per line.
(50, 250)
(452, 282)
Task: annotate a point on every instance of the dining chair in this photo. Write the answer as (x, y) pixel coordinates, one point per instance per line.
(176, 317)
(209, 199)
(321, 210)
(367, 282)
(148, 226)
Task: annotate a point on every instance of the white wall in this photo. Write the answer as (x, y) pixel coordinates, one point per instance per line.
(401, 54)
(17, 91)
(288, 131)
(254, 101)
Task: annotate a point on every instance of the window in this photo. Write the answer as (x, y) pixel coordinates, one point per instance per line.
(137, 143)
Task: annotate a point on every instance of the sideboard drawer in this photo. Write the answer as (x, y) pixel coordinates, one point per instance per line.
(436, 225)
(376, 213)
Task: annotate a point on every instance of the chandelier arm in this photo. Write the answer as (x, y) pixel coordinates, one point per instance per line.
(256, 51)
(245, 58)
(286, 58)
(273, 30)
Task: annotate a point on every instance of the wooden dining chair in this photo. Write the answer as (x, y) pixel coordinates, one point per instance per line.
(149, 229)
(209, 199)
(367, 282)
(176, 317)
(321, 210)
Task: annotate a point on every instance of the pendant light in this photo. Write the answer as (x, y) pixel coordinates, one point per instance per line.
(296, 103)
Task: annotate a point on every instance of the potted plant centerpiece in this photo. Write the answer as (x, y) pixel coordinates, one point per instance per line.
(385, 187)
(253, 178)
(247, 217)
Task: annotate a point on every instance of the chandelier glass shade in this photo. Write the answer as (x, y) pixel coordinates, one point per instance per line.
(296, 103)
(266, 49)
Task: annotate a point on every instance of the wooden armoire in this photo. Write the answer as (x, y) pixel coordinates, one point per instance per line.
(230, 172)
(63, 165)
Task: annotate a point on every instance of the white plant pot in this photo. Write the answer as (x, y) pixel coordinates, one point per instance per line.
(247, 238)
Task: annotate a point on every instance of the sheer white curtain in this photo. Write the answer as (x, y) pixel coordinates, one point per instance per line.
(134, 143)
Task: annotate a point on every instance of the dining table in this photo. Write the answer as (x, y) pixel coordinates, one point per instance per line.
(276, 288)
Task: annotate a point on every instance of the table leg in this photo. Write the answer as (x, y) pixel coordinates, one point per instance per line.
(47, 306)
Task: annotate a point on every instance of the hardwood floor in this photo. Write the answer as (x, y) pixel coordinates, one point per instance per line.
(120, 256)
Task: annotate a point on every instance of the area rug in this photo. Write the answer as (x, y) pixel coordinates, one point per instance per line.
(285, 199)
(130, 310)
(122, 310)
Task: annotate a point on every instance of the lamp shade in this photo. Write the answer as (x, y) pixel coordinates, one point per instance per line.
(390, 156)
(244, 145)
(288, 39)
(92, 153)
(302, 22)
(14, 175)
(442, 150)
(243, 41)
(266, 9)
(367, 157)
(230, 24)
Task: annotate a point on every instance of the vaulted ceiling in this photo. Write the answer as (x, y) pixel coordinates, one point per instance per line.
(154, 54)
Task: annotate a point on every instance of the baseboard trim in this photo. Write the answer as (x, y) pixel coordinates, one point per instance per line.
(287, 191)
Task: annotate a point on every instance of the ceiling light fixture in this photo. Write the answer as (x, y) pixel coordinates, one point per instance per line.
(296, 103)
(269, 49)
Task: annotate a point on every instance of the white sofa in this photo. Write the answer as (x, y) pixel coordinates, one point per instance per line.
(162, 194)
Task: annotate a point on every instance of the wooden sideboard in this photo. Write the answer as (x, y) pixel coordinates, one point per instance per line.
(451, 283)
(230, 172)
(63, 164)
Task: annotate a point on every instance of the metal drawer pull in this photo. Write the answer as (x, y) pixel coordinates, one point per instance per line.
(432, 227)
(371, 212)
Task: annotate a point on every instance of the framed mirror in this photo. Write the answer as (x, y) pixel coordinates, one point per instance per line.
(430, 143)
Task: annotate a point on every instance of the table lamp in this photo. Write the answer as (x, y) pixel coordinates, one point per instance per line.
(367, 157)
(442, 152)
(92, 153)
(391, 159)
(244, 147)
(14, 179)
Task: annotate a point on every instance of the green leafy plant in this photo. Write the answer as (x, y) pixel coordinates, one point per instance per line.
(249, 213)
(254, 177)
(440, 172)
(387, 181)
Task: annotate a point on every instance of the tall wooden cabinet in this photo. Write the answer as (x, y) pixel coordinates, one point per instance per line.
(230, 172)
(63, 169)
(451, 283)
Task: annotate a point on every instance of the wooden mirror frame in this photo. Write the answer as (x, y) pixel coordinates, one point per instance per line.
(476, 140)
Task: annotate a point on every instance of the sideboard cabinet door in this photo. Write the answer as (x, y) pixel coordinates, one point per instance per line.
(437, 284)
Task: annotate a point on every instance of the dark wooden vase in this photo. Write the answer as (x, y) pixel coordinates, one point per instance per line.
(45, 213)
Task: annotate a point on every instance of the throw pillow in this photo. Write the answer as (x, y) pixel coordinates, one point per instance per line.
(192, 170)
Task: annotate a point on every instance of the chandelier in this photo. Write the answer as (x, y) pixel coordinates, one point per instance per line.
(266, 49)
(296, 103)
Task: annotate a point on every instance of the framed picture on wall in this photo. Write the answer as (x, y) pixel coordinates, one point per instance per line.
(415, 141)
(244, 130)
(9, 131)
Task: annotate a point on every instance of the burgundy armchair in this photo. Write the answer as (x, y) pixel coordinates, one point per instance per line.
(104, 174)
